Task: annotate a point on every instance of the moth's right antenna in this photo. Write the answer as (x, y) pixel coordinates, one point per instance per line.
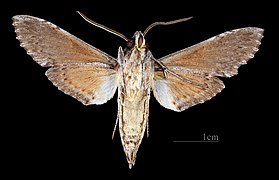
(165, 23)
(102, 26)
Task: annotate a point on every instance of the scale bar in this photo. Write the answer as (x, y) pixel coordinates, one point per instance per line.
(194, 141)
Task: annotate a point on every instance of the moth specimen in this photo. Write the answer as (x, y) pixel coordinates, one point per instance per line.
(178, 81)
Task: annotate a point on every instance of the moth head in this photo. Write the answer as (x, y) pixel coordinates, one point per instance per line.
(137, 41)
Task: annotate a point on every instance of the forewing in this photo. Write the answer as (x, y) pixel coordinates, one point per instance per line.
(178, 95)
(192, 80)
(89, 83)
(218, 56)
(76, 68)
(49, 45)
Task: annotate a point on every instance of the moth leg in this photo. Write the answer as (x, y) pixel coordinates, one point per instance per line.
(120, 60)
(120, 70)
(124, 85)
(114, 129)
(147, 129)
(166, 70)
(146, 114)
(123, 81)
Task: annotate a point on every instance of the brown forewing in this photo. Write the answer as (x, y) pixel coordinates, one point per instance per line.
(49, 45)
(77, 68)
(218, 56)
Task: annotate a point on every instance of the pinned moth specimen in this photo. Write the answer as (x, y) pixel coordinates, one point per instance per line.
(178, 81)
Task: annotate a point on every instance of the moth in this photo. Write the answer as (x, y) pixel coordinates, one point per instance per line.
(178, 81)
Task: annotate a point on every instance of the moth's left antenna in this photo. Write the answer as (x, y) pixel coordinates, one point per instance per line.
(102, 26)
(165, 23)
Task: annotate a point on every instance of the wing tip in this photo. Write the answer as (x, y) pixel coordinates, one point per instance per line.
(258, 31)
(18, 18)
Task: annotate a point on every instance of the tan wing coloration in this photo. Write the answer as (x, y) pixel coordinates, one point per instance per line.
(90, 84)
(49, 45)
(197, 65)
(218, 56)
(178, 95)
(77, 68)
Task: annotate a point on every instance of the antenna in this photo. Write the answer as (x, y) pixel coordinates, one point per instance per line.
(165, 23)
(102, 26)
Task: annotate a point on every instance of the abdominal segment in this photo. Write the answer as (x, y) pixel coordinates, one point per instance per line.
(133, 117)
